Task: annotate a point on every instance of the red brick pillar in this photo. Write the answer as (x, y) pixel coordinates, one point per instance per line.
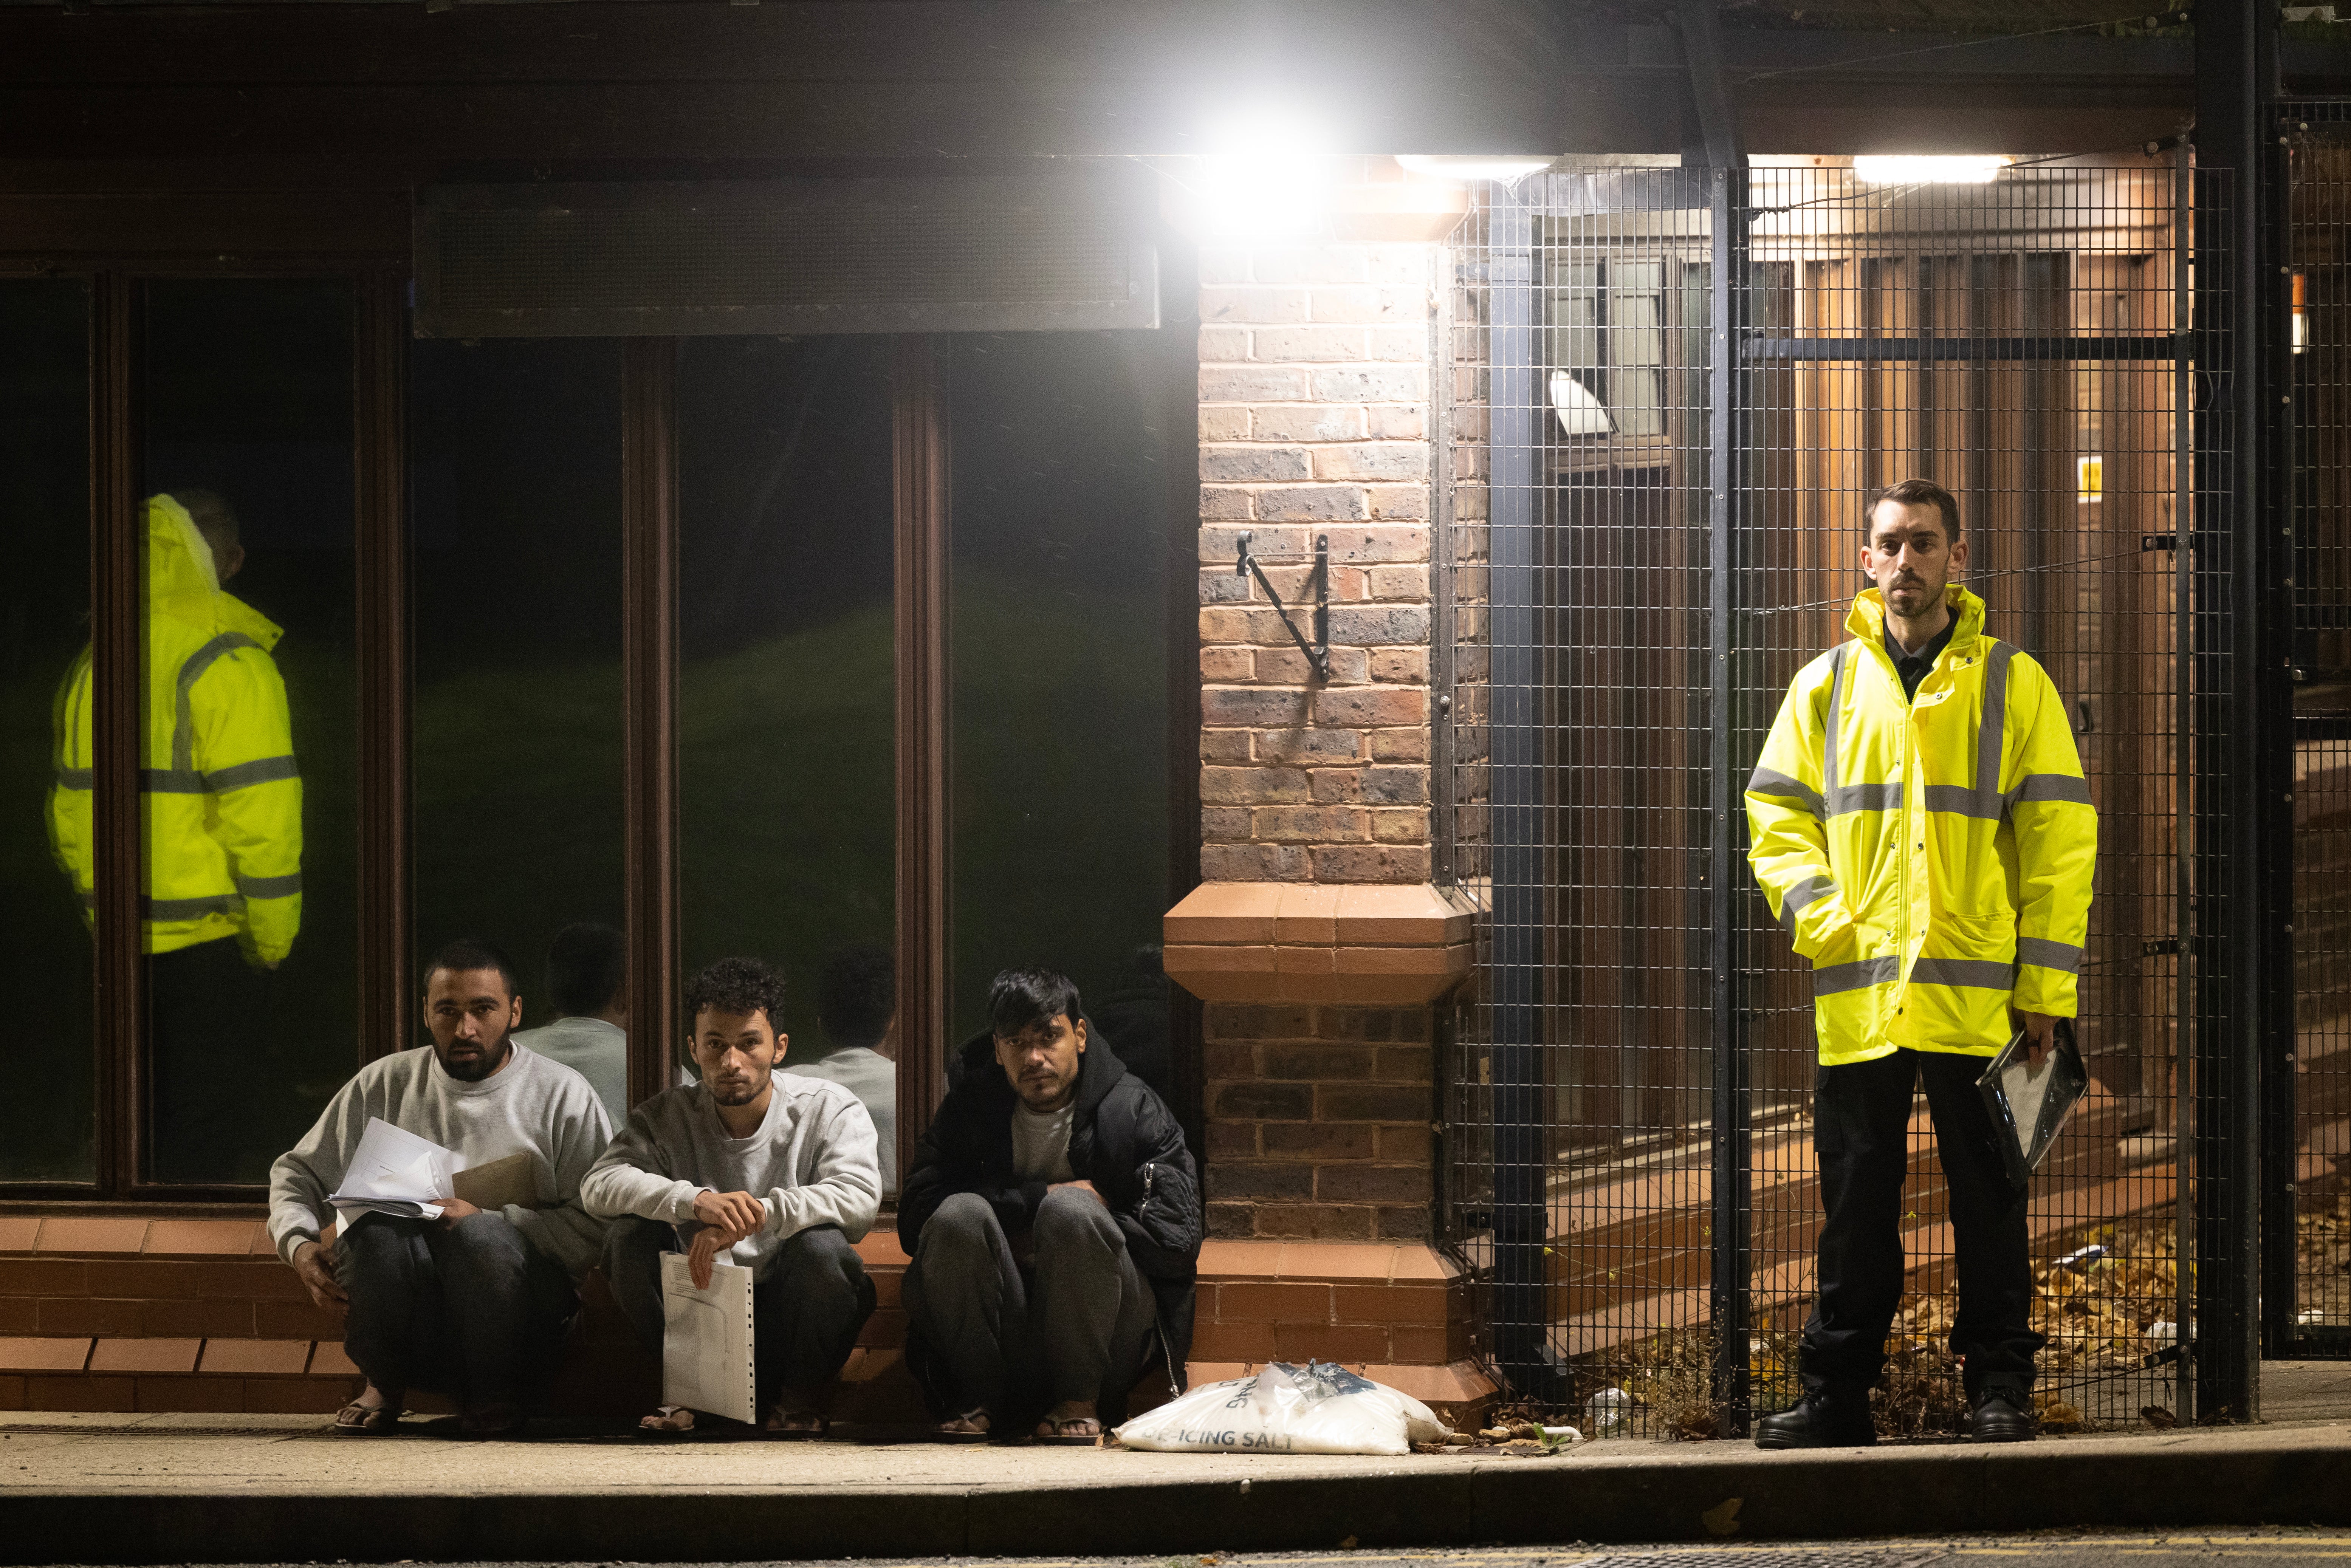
(1318, 941)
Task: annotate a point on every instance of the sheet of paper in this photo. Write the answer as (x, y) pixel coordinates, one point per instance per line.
(707, 1344)
(394, 1172)
(2026, 1090)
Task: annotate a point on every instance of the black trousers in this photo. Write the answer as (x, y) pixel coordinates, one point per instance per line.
(471, 1310)
(206, 1005)
(1861, 1115)
(807, 1310)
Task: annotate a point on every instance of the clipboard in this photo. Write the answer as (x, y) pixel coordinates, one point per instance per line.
(2029, 1109)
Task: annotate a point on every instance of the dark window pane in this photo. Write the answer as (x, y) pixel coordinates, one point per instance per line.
(46, 1125)
(788, 845)
(251, 729)
(515, 454)
(1060, 678)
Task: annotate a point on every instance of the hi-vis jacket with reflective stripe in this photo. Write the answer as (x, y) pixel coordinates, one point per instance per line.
(221, 796)
(1932, 858)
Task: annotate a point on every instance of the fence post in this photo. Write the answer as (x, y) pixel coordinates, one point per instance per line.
(1727, 1011)
(1522, 1212)
(2236, 792)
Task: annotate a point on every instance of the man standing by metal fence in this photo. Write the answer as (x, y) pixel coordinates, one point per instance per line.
(1921, 826)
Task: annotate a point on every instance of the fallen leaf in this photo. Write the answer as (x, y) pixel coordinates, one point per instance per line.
(1722, 1519)
(2157, 1417)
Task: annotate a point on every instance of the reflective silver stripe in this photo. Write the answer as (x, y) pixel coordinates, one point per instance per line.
(2041, 952)
(1802, 894)
(183, 717)
(1991, 732)
(1847, 798)
(190, 908)
(1768, 782)
(270, 886)
(2051, 786)
(1974, 974)
(183, 908)
(77, 779)
(1856, 977)
(1962, 801)
(244, 775)
(170, 781)
(1837, 697)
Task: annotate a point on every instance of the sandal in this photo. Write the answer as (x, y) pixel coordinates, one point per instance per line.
(367, 1420)
(667, 1421)
(971, 1427)
(799, 1425)
(1069, 1432)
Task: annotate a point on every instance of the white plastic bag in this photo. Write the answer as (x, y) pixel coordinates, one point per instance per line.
(1318, 1408)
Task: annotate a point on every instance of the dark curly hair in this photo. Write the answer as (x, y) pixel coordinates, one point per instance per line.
(738, 986)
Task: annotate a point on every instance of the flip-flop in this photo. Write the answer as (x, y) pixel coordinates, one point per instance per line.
(823, 1428)
(492, 1421)
(940, 1435)
(366, 1420)
(1061, 1438)
(664, 1412)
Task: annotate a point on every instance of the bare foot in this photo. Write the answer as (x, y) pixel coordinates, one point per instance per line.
(970, 1424)
(669, 1418)
(797, 1414)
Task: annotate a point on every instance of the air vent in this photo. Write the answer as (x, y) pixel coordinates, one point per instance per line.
(983, 255)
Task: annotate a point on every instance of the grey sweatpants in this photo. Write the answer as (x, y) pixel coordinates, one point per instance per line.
(1076, 1325)
(471, 1310)
(807, 1310)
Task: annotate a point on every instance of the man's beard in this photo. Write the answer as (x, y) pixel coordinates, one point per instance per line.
(489, 1062)
(743, 1096)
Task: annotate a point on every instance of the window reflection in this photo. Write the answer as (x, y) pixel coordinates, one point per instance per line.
(1060, 542)
(515, 580)
(249, 790)
(46, 1122)
(786, 788)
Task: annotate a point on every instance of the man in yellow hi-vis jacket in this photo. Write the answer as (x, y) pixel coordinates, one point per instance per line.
(222, 801)
(1921, 826)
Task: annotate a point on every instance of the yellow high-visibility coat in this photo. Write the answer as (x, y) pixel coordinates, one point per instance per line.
(1933, 857)
(218, 786)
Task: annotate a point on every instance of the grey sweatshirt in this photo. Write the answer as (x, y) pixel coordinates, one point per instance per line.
(873, 1079)
(530, 1105)
(812, 1162)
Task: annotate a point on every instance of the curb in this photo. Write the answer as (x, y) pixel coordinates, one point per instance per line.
(1740, 1496)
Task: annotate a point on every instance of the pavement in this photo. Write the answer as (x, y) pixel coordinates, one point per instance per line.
(101, 1489)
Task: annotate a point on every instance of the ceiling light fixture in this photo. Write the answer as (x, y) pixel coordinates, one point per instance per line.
(1473, 166)
(1939, 169)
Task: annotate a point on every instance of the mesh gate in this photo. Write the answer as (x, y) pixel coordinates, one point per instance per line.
(1630, 1173)
(2316, 1141)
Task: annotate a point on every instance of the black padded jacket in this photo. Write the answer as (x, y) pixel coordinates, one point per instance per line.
(1123, 1139)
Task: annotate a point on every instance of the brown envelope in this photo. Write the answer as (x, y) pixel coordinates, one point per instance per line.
(510, 1180)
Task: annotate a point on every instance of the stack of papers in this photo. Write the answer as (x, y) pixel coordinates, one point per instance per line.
(395, 1172)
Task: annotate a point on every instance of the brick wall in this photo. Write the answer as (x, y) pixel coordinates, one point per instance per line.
(1319, 1122)
(1314, 381)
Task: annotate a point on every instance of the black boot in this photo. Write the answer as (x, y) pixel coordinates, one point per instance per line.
(1997, 1415)
(1824, 1418)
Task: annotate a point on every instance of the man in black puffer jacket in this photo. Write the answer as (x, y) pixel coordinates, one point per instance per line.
(1053, 1218)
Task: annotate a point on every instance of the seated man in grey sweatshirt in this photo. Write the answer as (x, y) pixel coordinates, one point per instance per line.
(475, 1303)
(780, 1169)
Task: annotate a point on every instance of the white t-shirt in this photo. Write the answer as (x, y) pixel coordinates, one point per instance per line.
(1041, 1143)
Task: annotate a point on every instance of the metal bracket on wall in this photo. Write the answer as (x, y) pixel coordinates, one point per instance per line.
(1318, 651)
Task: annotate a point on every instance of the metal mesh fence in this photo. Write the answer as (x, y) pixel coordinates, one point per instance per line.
(2319, 366)
(1631, 1172)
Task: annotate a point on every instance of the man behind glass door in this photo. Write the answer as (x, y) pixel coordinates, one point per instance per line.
(857, 1003)
(221, 799)
(587, 975)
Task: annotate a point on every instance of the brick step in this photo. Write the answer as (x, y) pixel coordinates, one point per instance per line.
(116, 1313)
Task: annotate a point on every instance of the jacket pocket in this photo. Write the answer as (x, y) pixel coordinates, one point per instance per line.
(1988, 939)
